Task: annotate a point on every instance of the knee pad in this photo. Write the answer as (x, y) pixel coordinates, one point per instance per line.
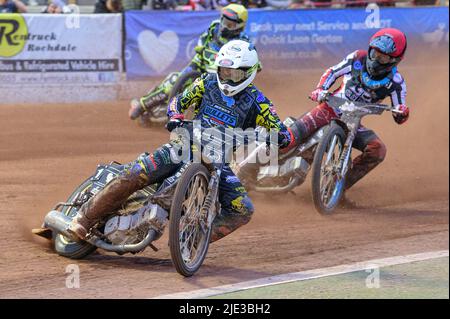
(145, 164)
(244, 206)
(135, 170)
(376, 150)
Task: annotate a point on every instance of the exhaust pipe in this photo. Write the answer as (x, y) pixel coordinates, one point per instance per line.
(58, 222)
(279, 189)
(126, 248)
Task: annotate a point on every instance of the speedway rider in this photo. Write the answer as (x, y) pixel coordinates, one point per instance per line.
(229, 93)
(230, 26)
(369, 76)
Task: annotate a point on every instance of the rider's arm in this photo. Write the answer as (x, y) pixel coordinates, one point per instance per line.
(398, 99)
(333, 73)
(201, 42)
(205, 36)
(192, 95)
(267, 117)
(398, 95)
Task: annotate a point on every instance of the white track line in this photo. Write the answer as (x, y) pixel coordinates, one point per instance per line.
(305, 275)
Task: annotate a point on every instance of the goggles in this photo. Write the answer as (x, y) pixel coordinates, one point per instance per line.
(382, 58)
(229, 24)
(232, 75)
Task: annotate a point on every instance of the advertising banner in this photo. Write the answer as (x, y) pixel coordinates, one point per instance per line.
(287, 40)
(44, 49)
(158, 42)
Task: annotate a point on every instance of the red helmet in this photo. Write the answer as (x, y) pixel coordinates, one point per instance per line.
(386, 49)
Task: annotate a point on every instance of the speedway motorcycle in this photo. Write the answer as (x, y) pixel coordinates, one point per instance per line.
(327, 153)
(187, 202)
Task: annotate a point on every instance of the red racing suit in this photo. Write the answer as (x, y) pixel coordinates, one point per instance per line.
(357, 85)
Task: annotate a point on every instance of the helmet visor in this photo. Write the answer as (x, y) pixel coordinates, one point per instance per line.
(232, 76)
(227, 24)
(381, 58)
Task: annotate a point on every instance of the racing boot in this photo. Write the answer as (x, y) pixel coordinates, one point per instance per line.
(148, 102)
(135, 110)
(156, 96)
(105, 202)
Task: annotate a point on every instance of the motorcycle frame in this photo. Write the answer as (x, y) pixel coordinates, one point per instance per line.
(350, 120)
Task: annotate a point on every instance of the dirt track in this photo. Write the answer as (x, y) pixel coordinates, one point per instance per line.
(47, 150)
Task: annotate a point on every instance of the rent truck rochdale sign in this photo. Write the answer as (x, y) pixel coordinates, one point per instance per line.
(46, 49)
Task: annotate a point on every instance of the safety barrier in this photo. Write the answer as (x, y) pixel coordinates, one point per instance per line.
(67, 58)
(48, 49)
(287, 40)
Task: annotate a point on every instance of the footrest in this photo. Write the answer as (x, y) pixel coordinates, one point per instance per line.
(43, 232)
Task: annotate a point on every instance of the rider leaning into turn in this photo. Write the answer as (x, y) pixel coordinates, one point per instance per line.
(369, 76)
(230, 26)
(226, 99)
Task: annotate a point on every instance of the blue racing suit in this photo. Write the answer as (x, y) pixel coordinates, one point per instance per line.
(247, 109)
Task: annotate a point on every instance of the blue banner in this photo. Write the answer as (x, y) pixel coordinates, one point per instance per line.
(160, 42)
(287, 40)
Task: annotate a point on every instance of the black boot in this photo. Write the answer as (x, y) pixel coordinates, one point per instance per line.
(136, 109)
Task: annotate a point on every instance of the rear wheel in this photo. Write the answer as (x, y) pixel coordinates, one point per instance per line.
(327, 186)
(64, 246)
(189, 234)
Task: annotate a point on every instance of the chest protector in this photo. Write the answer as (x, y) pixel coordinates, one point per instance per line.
(218, 109)
(361, 87)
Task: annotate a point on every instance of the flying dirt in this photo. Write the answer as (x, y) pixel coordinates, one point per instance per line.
(47, 150)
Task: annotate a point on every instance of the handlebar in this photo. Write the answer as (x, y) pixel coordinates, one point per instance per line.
(338, 102)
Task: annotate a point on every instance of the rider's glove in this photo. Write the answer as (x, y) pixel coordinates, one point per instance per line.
(174, 122)
(402, 114)
(318, 95)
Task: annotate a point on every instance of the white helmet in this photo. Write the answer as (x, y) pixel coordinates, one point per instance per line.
(237, 63)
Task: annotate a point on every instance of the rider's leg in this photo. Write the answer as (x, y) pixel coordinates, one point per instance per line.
(373, 153)
(237, 208)
(159, 94)
(315, 119)
(156, 96)
(145, 170)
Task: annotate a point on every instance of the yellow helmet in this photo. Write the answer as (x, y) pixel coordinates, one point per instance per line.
(233, 20)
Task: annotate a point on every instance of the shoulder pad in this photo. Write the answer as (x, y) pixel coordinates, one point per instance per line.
(208, 76)
(214, 24)
(256, 93)
(359, 55)
(398, 78)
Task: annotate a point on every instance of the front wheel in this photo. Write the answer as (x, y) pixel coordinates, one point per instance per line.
(189, 233)
(327, 185)
(64, 246)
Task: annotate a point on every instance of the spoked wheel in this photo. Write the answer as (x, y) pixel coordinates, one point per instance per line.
(63, 245)
(189, 233)
(327, 185)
